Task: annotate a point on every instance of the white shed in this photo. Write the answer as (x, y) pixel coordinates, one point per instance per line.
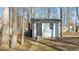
(46, 28)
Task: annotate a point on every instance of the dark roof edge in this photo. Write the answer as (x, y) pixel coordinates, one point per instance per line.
(36, 19)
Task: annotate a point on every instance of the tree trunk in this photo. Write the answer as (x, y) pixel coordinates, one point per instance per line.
(5, 31)
(22, 27)
(61, 21)
(76, 19)
(68, 18)
(14, 37)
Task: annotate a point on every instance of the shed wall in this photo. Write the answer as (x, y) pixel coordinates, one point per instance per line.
(49, 30)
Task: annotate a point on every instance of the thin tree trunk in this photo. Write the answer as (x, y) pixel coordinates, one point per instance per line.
(61, 21)
(32, 15)
(49, 13)
(76, 19)
(5, 31)
(22, 27)
(68, 18)
(28, 18)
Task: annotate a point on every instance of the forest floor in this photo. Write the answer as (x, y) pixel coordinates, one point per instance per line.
(65, 43)
(60, 44)
(71, 34)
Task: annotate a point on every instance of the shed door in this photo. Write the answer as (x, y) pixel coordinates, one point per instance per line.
(39, 29)
(46, 30)
(56, 29)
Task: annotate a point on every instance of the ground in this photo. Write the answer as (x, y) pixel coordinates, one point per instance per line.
(60, 44)
(65, 43)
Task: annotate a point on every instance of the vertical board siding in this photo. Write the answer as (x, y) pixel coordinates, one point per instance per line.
(46, 31)
(57, 29)
(53, 29)
(39, 29)
(34, 29)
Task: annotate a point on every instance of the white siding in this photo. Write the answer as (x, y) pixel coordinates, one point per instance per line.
(34, 29)
(59, 29)
(56, 30)
(46, 31)
(53, 29)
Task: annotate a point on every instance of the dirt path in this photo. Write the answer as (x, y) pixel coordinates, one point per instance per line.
(66, 44)
(61, 44)
(71, 34)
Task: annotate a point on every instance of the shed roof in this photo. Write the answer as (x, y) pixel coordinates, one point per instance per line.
(44, 20)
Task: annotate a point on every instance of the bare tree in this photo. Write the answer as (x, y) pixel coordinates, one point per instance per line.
(61, 21)
(5, 30)
(49, 13)
(68, 18)
(32, 14)
(77, 20)
(77, 12)
(28, 18)
(23, 26)
(14, 37)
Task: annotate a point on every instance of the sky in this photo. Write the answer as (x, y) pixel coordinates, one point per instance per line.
(38, 10)
(1, 11)
(55, 12)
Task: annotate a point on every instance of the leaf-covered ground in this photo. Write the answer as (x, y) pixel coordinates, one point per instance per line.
(60, 44)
